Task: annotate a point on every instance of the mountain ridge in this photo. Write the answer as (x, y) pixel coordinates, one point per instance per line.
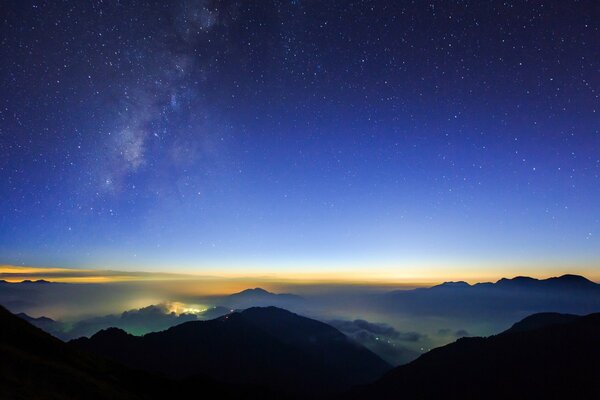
(265, 346)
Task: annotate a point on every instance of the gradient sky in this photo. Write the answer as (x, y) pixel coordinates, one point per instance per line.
(235, 137)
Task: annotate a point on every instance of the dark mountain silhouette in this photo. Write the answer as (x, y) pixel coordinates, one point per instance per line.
(507, 299)
(541, 320)
(35, 365)
(543, 357)
(266, 346)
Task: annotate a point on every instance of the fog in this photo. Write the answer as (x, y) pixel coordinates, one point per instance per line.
(398, 325)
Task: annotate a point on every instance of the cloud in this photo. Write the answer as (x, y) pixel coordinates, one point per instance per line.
(449, 332)
(390, 344)
(461, 333)
(138, 321)
(357, 326)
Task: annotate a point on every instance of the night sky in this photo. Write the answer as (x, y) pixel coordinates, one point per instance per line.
(410, 138)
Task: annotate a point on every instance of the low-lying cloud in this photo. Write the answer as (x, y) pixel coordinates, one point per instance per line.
(382, 339)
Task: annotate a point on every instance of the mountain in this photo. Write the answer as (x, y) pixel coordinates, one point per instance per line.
(541, 320)
(37, 282)
(259, 297)
(506, 299)
(27, 282)
(557, 359)
(452, 285)
(28, 296)
(49, 325)
(265, 346)
(35, 365)
(561, 282)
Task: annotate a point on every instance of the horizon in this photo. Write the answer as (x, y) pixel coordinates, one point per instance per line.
(16, 274)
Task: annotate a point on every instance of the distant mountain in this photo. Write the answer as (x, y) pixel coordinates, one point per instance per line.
(259, 297)
(560, 282)
(27, 296)
(265, 346)
(452, 285)
(35, 365)
(36, 321)
(507, 298)
(38, 282)
(27, 282)
(49, 325)
(557, 358)
(567, 281)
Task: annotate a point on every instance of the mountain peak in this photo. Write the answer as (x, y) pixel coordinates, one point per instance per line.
(269, 310)
(453, 284)
(571, 278)
(255, 291)
(110, 333)
(29, 318)
(517, 279)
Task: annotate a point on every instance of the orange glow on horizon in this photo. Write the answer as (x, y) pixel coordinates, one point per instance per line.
(359, 276)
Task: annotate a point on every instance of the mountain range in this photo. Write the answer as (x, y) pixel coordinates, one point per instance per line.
(507, 299)
(264, 353)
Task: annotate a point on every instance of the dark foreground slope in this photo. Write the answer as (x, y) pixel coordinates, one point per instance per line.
(543, 357)
(35, 365)
(265, 346)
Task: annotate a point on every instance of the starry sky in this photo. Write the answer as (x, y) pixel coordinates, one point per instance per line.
(399, 138)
